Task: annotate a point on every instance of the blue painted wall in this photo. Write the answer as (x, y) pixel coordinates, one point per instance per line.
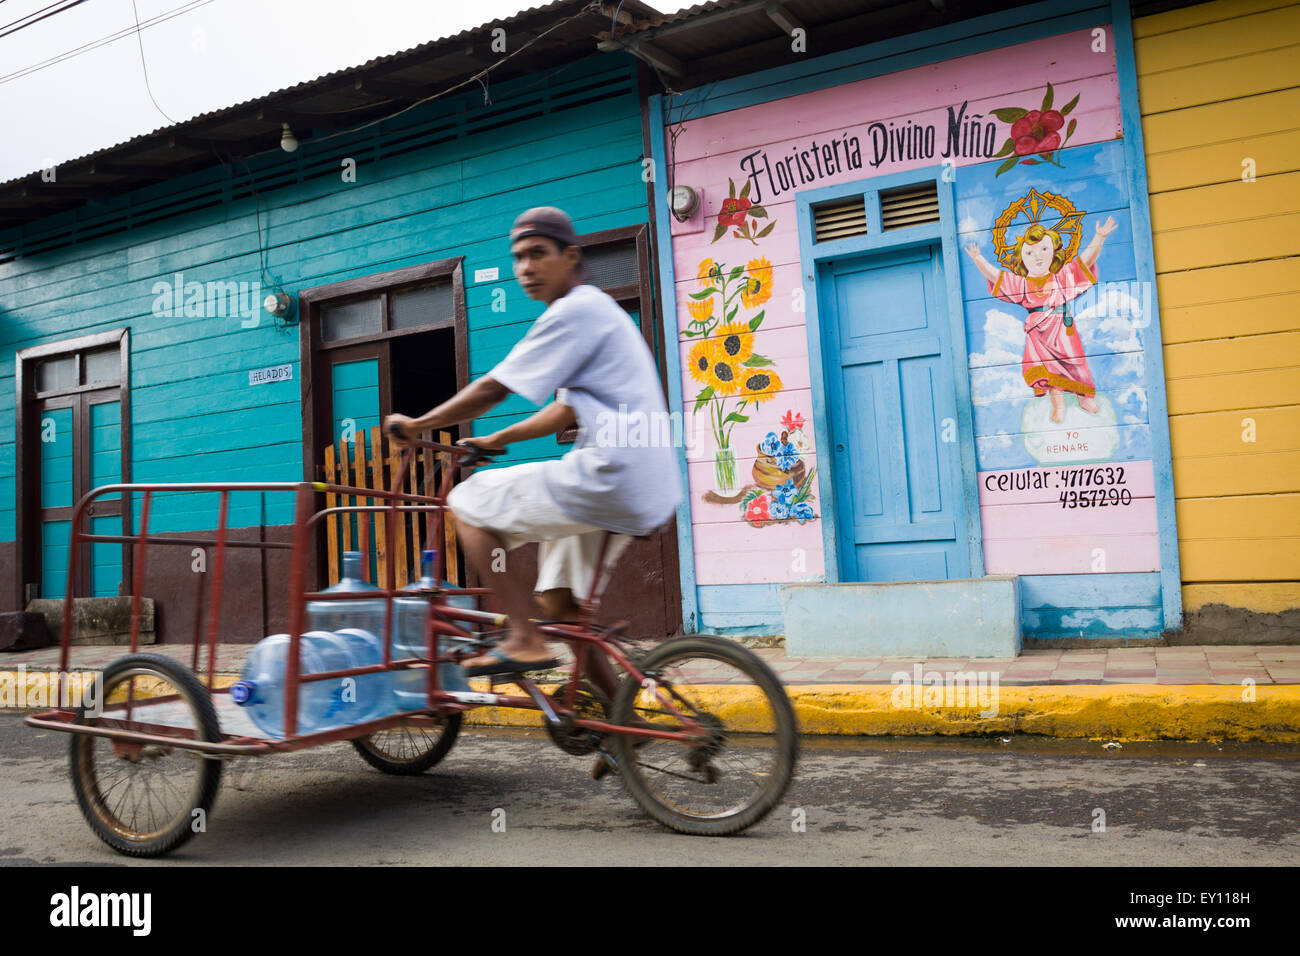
(440, 181)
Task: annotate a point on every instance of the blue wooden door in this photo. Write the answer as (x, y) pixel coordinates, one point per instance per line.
(80, 449)
(899, 510)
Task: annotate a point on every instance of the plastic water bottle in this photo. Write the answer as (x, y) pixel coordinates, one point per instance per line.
(365, 612)
(410, 614)
(322, 705)
(374, 692)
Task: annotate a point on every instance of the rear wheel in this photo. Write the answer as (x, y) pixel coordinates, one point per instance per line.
(742, 756)
(146, 799)
(409, 748)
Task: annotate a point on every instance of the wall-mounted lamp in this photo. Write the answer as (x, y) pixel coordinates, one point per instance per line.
(288, 142)
(682, 202)
(280, 305)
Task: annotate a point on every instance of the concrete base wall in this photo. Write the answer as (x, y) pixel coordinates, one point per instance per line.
(1220, 624)
(979, 617)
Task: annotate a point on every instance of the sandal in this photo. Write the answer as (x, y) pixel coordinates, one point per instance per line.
(508, 665)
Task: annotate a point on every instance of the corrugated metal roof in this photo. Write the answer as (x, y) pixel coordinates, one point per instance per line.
(431, 62)
(700, 44)
(729, 38)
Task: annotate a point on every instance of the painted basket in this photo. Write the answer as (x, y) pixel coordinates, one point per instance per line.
(768, 475)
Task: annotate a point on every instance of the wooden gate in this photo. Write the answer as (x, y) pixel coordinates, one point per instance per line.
(371, 461)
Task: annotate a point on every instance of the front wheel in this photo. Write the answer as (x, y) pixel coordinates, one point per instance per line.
(742, 756)
(146, 799)
(408, 748)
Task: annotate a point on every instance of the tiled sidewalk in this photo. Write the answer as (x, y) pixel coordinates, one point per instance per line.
(1273, 664)
(1120, 665)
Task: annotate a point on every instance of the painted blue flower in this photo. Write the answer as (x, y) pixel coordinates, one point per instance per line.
(802, 512)
(784, 493)
(787, 456)
(779, 509)
(770, 444)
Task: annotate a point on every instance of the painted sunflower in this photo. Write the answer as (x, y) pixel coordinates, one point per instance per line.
(701, 311)
(759, 384)
(758, 283)
(709, 273)
(726, 375)
(701, 361)
(736, 342)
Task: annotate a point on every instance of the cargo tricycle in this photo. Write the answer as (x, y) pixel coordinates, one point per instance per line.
(700, 729)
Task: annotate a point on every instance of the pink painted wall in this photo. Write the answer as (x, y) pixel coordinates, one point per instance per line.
(710, 151)
(1077, 519)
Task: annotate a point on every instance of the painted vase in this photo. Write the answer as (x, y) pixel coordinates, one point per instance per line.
(724, 471)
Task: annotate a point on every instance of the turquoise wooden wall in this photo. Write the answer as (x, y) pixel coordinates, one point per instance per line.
(444, 180)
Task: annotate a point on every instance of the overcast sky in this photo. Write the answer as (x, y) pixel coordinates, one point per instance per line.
(210, 54)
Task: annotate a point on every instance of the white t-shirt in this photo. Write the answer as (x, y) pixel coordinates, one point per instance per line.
(621, 474)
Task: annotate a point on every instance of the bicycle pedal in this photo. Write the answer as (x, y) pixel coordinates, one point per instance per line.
(605, 763)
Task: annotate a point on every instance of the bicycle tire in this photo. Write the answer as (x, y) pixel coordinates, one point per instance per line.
(627, 748)
(420, 760)
(86, 782)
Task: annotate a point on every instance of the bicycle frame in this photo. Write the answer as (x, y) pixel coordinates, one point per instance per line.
(441, 621)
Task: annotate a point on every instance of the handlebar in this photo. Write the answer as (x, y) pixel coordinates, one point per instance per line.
(470, 453)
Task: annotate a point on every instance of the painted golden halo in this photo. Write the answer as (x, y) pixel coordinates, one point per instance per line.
(1038, 208)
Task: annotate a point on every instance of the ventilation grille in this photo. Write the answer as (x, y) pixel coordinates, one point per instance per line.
(912, 206)
(614, 265)
(841, 219)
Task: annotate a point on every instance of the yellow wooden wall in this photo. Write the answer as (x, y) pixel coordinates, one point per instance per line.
(1219, 84)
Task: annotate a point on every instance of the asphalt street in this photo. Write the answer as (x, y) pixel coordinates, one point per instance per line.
(860, 801)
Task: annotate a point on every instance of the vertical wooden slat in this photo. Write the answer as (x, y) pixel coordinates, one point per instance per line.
(331, 523)
(363, 518)
(415, 518)
(382, 555)
(428, 486)
(449, 524)
(397, 547)
(394, 465)
(449, 533)
(432, 471)
(345, 500)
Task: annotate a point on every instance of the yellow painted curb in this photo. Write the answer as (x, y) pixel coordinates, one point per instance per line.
(1264, 712)
(1113, 711)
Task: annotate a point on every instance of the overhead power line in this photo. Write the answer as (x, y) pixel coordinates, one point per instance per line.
(36, 17)
(145, 67)
(96, 44)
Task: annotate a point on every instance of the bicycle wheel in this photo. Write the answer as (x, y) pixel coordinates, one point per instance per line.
(738, 771)
(408, 748)
(147, 799)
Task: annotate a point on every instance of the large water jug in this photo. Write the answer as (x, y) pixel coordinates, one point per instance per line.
(374, 692)
(322, 705)
(409, 616)
(365, 611)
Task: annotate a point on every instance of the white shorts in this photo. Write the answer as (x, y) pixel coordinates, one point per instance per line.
(514, 505)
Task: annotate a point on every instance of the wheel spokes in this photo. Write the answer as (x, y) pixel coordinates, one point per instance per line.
(727, 770)
(140, 793)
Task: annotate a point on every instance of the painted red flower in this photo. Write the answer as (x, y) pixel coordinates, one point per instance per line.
(1035, 136)
(757, 511)
(734, 211)
(740, 214)
(790, 421)
(1036, 131)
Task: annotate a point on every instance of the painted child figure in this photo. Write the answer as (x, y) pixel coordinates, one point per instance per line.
(1044, 283)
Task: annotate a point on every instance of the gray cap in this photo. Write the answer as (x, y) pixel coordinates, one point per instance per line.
(545, 221)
